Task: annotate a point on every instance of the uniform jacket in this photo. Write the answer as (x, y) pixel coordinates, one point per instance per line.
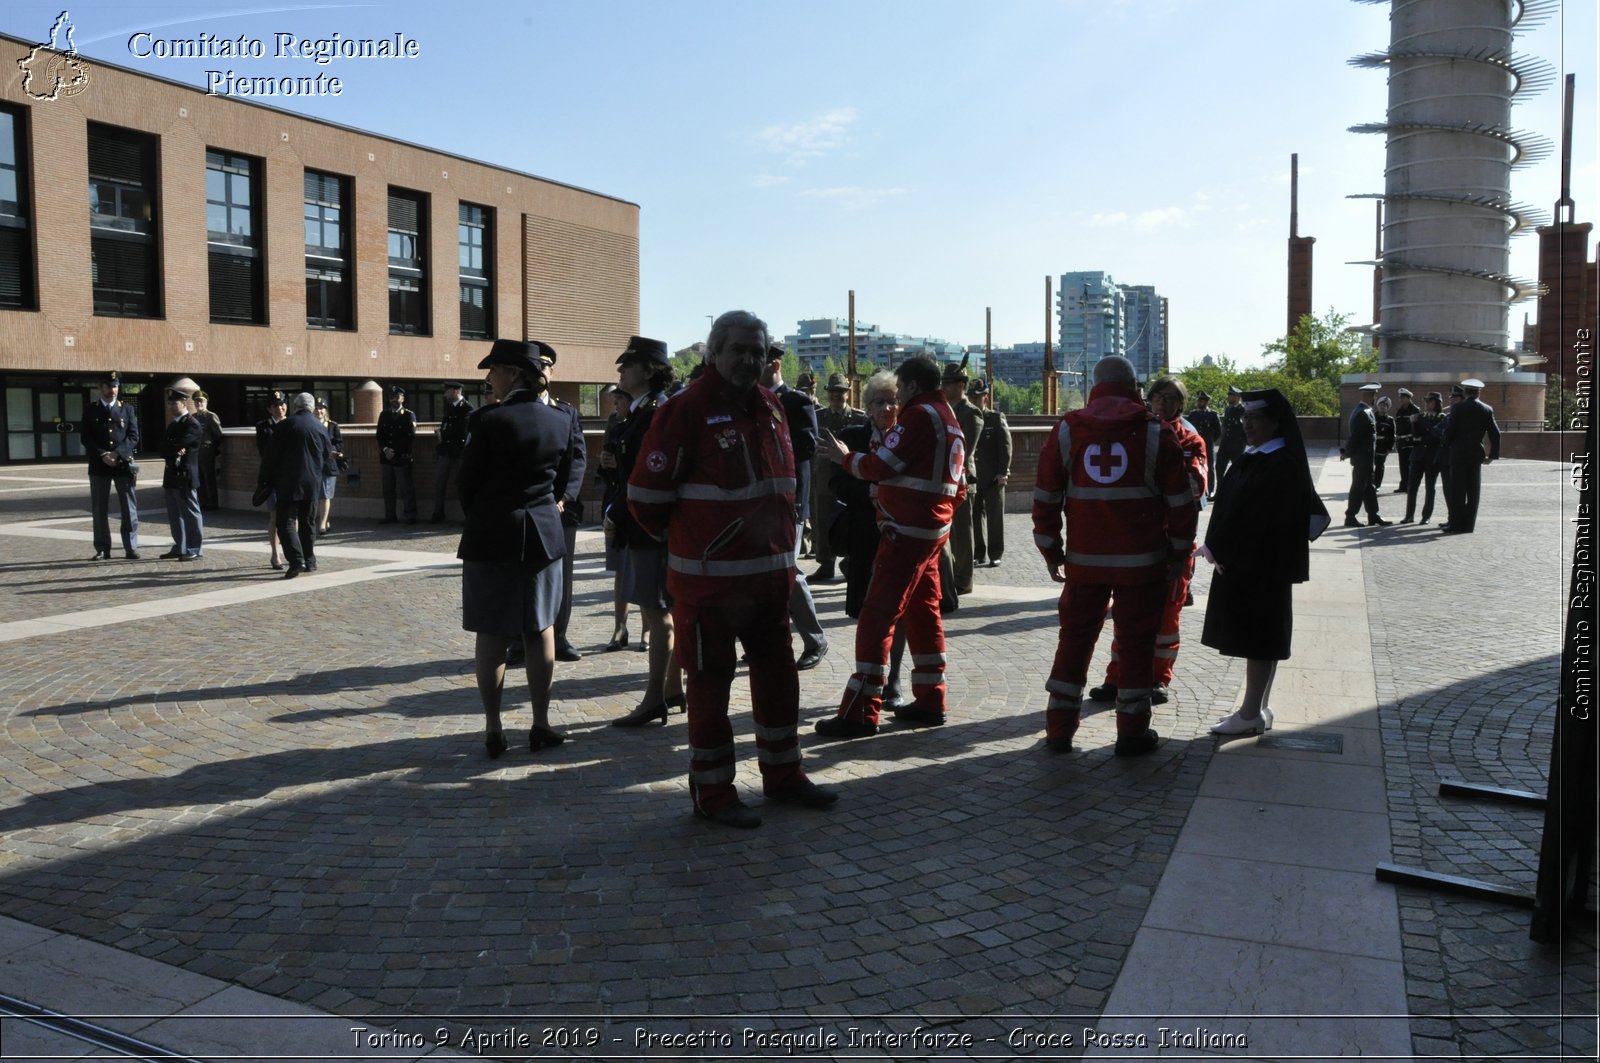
(264, 429)
(630, 433)
(1405, 426)
(187, 434)
(335, 439)
(1252, 533)
(716, 481)
(1208, 424)
(801, 411)
(516, 463)
(1233, 441)
(453, 429)
(298, 458)
(1363, 432)
(211, 428)
(836, 422)
(1430, 440)
(993, 448)
(1119, 477)
(570, 486)
(1469, 421)
(1384, 434)
(110, 429)
(969, 417)
(919, 469)
(396, 430)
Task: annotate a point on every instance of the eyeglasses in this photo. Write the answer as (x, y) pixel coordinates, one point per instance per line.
(884, 402)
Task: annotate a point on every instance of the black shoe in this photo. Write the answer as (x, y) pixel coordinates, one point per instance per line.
(1399, 491)
(811, 658)
(737, 814)
(618, 643)
(678, 703)
(171, 555)
(411, 520)
(1407, 520)
(1137, 745)
(544, 738)
(824, 572)
(994, 562)
(566, 651)
(1108, 692)
(190, 557)
(131, 555)
(101, 555)
(642, 715)
(516, 654)
(294, 570)
(1351, 522)
(311, 566)
(389, 520)
(495, 744)
(1158, 695)
(806, 793)
(980, 562)
(839, 727)
(1379, 522)
(918, 717)
(1188, 598)
(1059, 744)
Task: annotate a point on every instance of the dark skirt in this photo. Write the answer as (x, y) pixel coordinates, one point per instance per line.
(509, 597)
(1249, 618)
(644, 577)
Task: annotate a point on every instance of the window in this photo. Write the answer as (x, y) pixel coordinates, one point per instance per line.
(233, 241)
(475, 237)
(329, 303)
(124, 222)
(16, 243)
(408, 279)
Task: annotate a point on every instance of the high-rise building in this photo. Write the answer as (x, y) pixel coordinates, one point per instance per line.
(1097, 316)
(1145, 343)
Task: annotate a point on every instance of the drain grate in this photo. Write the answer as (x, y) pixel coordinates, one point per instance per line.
(1304, 742)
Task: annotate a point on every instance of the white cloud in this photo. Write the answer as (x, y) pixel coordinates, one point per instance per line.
(1101, 220)
(854, 197)
(767, 180)
(811, 139)
(1151, 220)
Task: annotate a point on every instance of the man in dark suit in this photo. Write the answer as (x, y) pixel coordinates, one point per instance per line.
(180, 476)
(1470, 420)
(452, 432)
(801, 413)
(298, 458)
(1362, 450)
(992, 452)
(210, 450)
(1209, 425)
(111, 438)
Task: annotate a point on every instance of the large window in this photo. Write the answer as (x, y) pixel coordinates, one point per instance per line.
(408, 277)
(475, 237)
(124, 215)
(16, 244)
(233, 239)
(329, 302)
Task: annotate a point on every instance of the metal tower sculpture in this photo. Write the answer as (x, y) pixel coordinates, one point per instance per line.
(1448, 214)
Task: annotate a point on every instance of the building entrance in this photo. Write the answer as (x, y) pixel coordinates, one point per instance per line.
(44, 422)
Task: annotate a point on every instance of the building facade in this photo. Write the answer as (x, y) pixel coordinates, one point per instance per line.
(150, 228)
(819, 339)
(1098, 317)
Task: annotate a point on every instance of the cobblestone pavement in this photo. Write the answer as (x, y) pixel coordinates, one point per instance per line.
(288, 791)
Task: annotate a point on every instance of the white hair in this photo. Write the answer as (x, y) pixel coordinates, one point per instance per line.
(303, 401)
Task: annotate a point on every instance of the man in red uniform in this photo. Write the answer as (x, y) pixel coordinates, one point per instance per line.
(1167, 396)
(1115, 471)
(920, 475)
(715, 480)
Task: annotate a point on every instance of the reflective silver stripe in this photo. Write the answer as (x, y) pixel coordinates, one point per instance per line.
(1167, 640)
(1177, 501)
(1051, 497)
(1064, 688)
(870, 689)
(1152, 440)
(1167, 651)
(1104, 494)
(932, 487)
(714, 776)
(719, 753)
(920, 533)
(891, 459)
(1047, 542)
(1184, 545)
(777, 734)
(870, 668)
(1064, 442)
(1065, 703)
(751, 567)
(1116, 560)
(1139, 702)
(647, 494)
(928, 658)
(778, 756)
(759, 489)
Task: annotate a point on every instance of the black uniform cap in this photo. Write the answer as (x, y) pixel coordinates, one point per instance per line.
(112, 379)
(456, 384)
(530, 355)
(644, 351)
(174, 395)
(276, 398)
(1235, 389)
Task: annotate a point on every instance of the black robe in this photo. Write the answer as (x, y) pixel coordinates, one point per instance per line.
(1258, 537)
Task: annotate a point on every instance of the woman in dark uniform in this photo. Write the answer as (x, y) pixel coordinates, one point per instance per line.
(1267, 513)
(513, 469)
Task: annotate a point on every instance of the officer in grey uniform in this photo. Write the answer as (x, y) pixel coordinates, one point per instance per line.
(1362, 450)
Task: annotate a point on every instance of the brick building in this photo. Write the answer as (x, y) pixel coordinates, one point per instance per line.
(148, 227)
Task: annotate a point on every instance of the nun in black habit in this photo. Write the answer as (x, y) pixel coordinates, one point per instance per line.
(1266, 514)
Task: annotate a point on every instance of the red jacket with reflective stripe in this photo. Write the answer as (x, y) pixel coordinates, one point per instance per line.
(1118, 476)
(919, 469)
(1193, 445)
(715, 479)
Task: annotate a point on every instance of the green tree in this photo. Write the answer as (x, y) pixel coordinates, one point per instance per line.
(1313, 357)
(1014, 399)
(1560, 405)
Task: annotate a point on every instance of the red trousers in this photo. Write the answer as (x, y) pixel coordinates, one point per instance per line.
(904, 593)
(706, 637)
(1136, 613)
(1166, 652)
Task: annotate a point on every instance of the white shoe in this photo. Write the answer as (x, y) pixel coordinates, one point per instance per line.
(1234, 724)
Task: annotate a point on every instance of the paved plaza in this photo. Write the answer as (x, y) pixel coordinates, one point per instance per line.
(246, 818)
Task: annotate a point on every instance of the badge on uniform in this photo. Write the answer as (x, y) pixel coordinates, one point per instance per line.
(728, 438)
(656, 461)
(721, 418)
(892, 440)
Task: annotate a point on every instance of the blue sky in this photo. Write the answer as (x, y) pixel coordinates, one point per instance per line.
(937, 157)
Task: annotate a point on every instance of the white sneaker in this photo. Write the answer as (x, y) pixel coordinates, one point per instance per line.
(1234, 724)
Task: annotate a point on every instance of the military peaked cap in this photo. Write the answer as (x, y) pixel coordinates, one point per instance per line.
(645, 351)
(531, 355)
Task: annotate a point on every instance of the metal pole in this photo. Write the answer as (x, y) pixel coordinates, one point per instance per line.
(850, 371)
(988, 347)
(1050, 381)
